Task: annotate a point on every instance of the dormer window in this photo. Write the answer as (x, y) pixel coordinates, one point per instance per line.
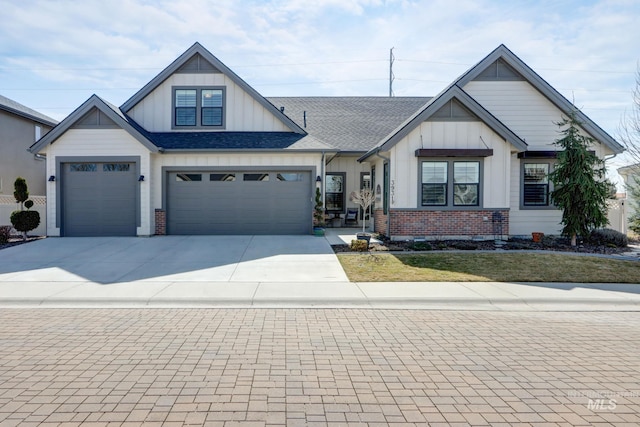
(198, 107)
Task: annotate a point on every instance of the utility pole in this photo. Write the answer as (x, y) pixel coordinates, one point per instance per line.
(391, 76)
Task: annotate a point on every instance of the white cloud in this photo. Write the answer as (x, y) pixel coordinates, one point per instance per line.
(322, 47)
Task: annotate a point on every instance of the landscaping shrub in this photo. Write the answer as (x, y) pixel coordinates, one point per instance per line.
(464, 246)
(359, 245)
(420, 246)
(5, 233)
(608, 237)
(25, 220)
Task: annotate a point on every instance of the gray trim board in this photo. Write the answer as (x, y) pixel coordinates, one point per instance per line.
(93, 102)
(195, 49)
(502, 52)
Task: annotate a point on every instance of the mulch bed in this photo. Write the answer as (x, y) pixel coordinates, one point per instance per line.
(549, 243)
(17, 240)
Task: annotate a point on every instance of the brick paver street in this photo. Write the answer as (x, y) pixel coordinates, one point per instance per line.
(315, 367)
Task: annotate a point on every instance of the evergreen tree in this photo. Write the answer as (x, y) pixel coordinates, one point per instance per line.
(580, 188)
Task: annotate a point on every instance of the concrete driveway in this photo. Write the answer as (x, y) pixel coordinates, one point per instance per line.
(112, 260)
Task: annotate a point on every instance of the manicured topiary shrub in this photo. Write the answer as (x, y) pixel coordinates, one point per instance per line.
(22, 220)
(608, 237)
(25, 221)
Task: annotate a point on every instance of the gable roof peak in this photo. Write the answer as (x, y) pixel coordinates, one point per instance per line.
(110, 110)
(542, 86)
(183, 59)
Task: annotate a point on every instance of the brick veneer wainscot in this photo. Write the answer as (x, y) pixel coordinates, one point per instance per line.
(445, 223)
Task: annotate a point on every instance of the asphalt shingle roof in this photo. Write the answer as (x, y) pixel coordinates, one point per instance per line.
(17, 108)
(349, 123)
(234, 141)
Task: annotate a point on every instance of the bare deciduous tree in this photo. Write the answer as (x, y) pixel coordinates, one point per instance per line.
(364, 198)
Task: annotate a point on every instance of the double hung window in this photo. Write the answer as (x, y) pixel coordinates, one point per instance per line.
(198, 107)
(536, 184)
(450, 183)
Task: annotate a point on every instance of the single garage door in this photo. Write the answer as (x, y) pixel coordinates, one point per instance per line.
(99, 199)
(239, 202)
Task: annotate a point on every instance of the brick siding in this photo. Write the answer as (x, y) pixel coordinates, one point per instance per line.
(446, 223)
(380, 221)
(161, 222)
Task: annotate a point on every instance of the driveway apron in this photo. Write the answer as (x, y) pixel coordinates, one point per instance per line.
(114, 260)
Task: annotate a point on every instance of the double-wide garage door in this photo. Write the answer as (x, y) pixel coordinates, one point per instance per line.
(99, 199)
(239, 202)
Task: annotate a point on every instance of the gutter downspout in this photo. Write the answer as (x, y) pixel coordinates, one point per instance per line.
(323, 179)
(388, 160)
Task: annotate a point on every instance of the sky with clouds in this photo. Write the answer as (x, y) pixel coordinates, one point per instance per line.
(55, 53)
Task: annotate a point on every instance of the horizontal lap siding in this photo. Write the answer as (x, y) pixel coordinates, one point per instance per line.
(522, 108)
(96, 143)
(526, 221)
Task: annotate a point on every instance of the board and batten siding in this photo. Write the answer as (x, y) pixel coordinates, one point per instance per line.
(352, 168)
(524, 110)
(96, 143)
(451, 135)
(242, 112)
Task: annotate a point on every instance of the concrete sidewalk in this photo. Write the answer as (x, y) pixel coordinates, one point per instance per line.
(436, 295)
(254, 271)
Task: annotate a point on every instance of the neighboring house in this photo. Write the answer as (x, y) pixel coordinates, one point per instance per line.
(20, 127)
(199, 151)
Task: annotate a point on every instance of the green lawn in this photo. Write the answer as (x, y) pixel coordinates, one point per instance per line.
(499, 267)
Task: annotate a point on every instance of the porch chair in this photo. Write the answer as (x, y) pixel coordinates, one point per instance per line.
(351, 217)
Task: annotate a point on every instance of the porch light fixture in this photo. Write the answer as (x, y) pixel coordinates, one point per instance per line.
(318, 178)
(141, 178)
(52, 178)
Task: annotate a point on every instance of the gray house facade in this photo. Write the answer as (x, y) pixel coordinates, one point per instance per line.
(20, 127)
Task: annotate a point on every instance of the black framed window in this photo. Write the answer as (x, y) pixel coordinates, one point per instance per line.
(536, 184)
(198, 107)
(211, 107)
(446, 183)
(466, 183)
(334, 197)
(435, 177)
(185, 102)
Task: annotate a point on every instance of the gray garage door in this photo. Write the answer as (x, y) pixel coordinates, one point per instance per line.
(99, 199)
(239, 202)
